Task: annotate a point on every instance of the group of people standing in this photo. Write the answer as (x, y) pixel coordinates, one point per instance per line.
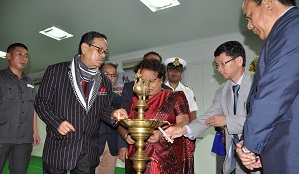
(76, 102)
(164, 104)
(268, 141)
(258, 113)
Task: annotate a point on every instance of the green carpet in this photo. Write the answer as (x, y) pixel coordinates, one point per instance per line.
(35, 167)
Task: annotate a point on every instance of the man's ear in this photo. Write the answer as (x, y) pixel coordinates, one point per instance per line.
(8, 56)
(269, 3)
(240, 60)
(84, 47)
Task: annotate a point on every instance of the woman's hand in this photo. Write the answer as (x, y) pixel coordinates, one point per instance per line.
(155, 137)
(129, 139)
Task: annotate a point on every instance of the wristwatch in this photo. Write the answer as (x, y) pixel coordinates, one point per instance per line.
(245, 151)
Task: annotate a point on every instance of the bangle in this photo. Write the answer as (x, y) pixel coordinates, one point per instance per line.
(245, 151)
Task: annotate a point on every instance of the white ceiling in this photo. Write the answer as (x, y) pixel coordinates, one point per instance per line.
(128, 24)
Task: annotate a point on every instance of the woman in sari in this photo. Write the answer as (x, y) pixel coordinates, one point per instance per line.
(163, 105)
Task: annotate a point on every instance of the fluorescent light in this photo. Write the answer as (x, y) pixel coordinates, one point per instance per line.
(155, 5)
(56, 33)
(2, 54)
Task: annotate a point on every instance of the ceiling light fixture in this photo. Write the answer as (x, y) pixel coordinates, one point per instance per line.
(155, 5)
(2, 54)
(56, 33)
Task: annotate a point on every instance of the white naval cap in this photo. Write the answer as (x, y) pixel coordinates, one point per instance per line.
(175, 63)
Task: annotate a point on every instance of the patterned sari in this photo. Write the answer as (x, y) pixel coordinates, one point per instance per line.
(166, 158)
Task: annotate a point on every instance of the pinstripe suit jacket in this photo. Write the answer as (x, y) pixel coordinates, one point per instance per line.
(58, 100)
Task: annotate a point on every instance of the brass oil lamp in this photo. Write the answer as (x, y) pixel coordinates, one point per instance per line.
(140, 129)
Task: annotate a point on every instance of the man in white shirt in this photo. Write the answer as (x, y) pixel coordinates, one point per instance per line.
(175, 67)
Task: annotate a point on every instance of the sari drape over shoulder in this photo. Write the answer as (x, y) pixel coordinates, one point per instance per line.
(166, 158)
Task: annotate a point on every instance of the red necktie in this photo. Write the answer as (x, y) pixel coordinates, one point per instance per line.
(85, 88)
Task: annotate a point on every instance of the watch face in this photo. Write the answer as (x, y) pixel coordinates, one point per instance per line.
(245, 151)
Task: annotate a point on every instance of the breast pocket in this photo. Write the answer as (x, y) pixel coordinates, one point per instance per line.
(9, 91)
(8, 95)
(30, 94)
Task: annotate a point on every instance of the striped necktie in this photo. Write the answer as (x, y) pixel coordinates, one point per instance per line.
(236, 95)
(229, 164)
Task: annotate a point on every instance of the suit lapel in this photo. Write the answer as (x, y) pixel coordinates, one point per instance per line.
(229, 98)
(243, 93)
(76, 89)
(94, 90)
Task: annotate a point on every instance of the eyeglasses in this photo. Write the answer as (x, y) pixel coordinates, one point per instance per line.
(216, 66)
(100, 50)
(150, 80)
(109, 75)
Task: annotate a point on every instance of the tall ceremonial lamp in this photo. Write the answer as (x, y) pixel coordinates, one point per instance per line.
(140, 129)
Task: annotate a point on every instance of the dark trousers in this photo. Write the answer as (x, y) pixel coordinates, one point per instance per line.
(83, 166)
(219, 164)
(18, 156)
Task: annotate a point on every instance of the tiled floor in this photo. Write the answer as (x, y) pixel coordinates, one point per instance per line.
(35, 167)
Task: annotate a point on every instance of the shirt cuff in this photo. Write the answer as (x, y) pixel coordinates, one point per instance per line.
(189, 133)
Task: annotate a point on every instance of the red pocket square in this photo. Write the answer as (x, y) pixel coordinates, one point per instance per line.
(102, 89)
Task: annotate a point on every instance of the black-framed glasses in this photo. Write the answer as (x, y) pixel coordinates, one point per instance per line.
(109, 75)
(217, 65)
(100, 50)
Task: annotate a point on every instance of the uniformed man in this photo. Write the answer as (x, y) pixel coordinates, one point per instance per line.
(175, 67)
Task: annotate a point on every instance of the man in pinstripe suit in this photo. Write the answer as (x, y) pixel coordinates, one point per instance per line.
(72, 99)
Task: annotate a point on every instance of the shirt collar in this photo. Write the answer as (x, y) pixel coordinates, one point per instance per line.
(239, 81)
(9, 72)
(286, 11)
(178, 87)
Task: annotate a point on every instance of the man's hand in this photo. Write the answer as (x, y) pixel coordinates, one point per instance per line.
(218, 120)
(120, 114)
(250, 160)
(176, 131)
(65, 127)
(123, 154)
(36, 139)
